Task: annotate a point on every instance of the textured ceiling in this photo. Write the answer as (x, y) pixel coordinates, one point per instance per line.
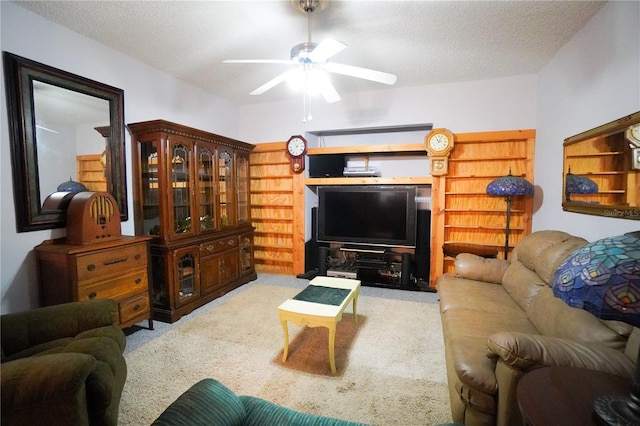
(422, 42)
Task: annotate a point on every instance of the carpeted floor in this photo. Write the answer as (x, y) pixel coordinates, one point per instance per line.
(390, 367)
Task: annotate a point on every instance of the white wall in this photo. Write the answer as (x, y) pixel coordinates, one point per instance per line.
(500, 104)
(593, 80)
(149, 94)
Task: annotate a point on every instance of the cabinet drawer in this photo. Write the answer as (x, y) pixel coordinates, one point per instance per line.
(116, 288)
(218, 246)
(110, 262)
(134, 307)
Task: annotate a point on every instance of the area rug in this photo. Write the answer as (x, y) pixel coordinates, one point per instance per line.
(390, 367)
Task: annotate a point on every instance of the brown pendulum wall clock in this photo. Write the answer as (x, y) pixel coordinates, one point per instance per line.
(296, 148)
(439, 143)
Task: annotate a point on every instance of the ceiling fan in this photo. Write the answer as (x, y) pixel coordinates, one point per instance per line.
(311, 59)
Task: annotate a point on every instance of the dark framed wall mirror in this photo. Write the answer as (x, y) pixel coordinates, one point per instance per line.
(62, 127)
(602, 170)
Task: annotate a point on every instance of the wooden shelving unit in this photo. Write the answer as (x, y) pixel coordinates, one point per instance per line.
(91, 172)
(277, 203)
(416, 149)
(462, 211)
(607, 163)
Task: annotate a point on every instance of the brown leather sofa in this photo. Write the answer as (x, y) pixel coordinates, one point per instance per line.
(62, 365)
(501, 320)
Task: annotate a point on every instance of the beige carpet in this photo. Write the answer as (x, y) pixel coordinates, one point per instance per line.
(390, 367)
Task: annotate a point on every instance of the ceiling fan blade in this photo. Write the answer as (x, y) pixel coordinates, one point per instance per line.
(274, 82)
(258, 61)
(329, 92)
(367, 74)
(326, 49)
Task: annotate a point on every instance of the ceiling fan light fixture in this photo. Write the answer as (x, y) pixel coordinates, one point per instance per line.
(302, 51)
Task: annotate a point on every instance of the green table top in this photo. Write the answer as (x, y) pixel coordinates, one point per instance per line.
(324, 295)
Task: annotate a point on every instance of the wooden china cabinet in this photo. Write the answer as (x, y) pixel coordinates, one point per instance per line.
(192, 197)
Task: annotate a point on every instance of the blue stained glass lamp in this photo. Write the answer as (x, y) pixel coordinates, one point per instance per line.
(603, 278)
(509, 186)
(576, 184)
(71, 186)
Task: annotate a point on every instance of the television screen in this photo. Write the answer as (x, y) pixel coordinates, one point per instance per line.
(367, 215)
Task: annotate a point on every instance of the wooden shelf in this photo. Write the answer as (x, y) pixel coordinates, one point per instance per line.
(491, 228)
(415, 148)
(492, 158)
(596, 154)
(427, 180)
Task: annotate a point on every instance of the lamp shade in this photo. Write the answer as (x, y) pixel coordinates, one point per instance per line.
(603, 278)
(576, 184)
(510, 185)
(71, 186)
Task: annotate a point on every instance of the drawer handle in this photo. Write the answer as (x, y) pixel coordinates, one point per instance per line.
(93, 295)
(138, 256)
(210, 247)
(116, 260)
(136, 307)
(91, 267)
(138, 280)
(232, 242)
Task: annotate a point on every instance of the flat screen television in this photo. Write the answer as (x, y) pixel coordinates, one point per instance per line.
(367, 215)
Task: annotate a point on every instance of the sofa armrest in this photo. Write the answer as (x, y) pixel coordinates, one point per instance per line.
(46, 387)
(205, 403)
(473, 267)
(528, 351)
(25, 329)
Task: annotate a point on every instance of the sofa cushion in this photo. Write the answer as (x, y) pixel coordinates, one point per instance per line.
(533, 246)
(473, 295)
(521, 284)
(473, 267)
(41, 349)
(553, 317)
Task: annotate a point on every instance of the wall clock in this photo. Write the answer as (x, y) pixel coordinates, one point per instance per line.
(633, 134)
(439, 144)
(296, 148)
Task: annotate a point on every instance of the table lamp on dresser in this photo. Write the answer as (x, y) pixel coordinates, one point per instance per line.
(603, 278)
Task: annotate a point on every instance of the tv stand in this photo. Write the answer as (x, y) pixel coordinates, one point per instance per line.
(377, 267)
(364, 249)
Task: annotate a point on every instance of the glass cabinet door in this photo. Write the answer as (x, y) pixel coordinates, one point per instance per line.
(149, 189)
(246, 253)
(187, 283)
(225, 188)
(206, 185)
(242, 185)
(181, 153)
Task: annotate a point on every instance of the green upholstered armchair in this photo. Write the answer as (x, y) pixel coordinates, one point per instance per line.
(209, 402)
(63, 365)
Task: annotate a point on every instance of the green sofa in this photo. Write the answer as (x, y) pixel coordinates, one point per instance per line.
(209, 402)
(62, 365)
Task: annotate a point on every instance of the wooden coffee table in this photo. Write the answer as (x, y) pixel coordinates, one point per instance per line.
(320, 305)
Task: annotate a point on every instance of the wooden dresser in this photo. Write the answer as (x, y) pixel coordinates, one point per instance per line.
(116, 269)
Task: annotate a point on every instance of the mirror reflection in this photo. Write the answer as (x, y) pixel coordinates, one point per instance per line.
(600, 175)
(69, 146)
(62, 127)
